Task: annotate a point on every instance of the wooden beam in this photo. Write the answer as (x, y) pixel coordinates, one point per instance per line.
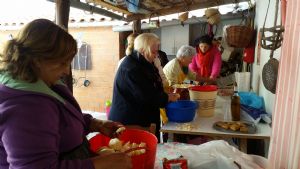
(180, 8)
(110, 6)
(167, 2)
(62, 19)
(62, 13)
(86, 7)
(150, 3)
(122, 43)
(136, 26)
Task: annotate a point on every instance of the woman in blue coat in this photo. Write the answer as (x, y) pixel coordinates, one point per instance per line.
(138, 90)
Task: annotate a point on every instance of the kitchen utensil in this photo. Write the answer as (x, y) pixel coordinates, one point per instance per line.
(270, 69)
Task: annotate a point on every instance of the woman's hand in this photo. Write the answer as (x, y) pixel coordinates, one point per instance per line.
(112, 161)
(173, 97)
(206, 80)
(106, 127)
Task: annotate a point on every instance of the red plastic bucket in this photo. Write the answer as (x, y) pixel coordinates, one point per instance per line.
(143, 161)
(205, 88)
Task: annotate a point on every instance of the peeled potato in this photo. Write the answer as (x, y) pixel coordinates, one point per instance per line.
(137, 152)
(134, 145)
(142, 144)
(115, 144)
(126, 146)
(105, 149)
(120, 130)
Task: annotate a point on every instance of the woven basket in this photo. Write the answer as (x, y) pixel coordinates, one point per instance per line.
(215, 19)
(239, 36)
(213, 16)
(211, 11)
(183, 17)
(271, 38)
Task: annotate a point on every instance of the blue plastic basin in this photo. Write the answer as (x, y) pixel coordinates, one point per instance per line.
(181, 111)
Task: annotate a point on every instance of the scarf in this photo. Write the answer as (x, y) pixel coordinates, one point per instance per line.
(205, 63)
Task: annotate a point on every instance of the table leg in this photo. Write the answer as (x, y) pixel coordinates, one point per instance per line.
(243, 145)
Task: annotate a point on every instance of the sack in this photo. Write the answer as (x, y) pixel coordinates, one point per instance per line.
(243, 81)
(254, 115)
(218, 154)
(252, 99)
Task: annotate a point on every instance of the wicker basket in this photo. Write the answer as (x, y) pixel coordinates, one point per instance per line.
(215, 19)
(273, 40)
(211, 11)
(213, 16)
(239, 36)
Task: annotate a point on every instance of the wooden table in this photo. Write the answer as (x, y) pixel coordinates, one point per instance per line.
(204, 126)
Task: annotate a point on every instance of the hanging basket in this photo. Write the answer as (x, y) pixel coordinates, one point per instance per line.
(239, 36)
(214, 19)
(211, 11)
(213, 16)
(271, 38)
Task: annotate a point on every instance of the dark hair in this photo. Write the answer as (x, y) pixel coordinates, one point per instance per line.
(203, 39)
(39, 40)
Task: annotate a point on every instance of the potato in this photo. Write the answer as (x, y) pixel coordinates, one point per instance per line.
(142, 144)
(105, 149)
(120, 130)
(126, 146)
(115, 144)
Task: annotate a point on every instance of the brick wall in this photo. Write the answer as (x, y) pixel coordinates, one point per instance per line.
(104, 55)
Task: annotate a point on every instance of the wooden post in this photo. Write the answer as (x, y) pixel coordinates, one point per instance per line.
(62, 19)
(136, 26)
(122, 43)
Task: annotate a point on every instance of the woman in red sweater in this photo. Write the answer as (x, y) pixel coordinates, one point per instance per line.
(207, 62)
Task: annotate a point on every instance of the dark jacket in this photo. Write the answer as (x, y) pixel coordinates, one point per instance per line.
(138, 93)
(163, 58)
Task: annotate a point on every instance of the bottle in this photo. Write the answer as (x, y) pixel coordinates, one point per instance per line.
(235, 105)
(107, 107)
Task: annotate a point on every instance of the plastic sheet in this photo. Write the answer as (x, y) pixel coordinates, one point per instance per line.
(220, 155)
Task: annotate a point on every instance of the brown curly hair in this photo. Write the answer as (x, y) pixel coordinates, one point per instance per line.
(39, 40)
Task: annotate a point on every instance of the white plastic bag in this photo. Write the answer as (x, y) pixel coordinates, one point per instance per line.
(218, 155)
(243, 81)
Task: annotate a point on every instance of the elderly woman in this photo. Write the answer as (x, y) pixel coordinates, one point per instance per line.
(157, 61)
(138, 90)
(42, 125)
(207, 63)
(177, 69)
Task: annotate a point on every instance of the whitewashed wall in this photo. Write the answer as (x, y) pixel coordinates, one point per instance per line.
(261, 9)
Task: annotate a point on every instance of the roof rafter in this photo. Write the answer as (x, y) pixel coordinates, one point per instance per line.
(110, 6)
(94, 9)
(181, 8)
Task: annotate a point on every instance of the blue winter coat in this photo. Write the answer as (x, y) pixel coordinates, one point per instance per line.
(138, 93)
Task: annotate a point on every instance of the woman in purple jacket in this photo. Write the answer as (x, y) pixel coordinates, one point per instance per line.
(41, 124)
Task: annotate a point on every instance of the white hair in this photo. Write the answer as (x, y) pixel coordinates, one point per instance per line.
(186, 51)
(144, 41)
